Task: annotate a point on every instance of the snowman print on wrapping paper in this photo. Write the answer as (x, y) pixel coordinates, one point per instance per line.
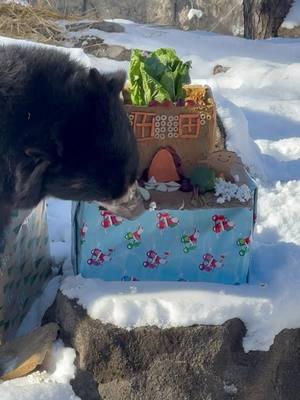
(190, 241)
(98, 257)
(134, 238)
(110, 219)
(165, 220)
(210, 263)
(154, 260)
(244, 244)
(222, 224)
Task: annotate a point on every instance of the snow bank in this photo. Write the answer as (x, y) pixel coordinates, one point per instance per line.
(76, 54)
(238, 139)
(282, 149)
(166, 304)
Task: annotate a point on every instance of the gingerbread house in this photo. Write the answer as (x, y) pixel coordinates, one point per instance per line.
(190, 131)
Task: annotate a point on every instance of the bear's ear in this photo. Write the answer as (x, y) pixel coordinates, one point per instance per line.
(95, 81)
(113, 82)
(94, 78)
(116, 81)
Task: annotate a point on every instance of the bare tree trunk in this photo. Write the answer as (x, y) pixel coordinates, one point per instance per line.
(262, 18)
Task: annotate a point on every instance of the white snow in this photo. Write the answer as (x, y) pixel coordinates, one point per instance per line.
(52, 383)
(279, 211)
(282, 149)
(226, 191)
(133, 304)
(20, 2)
(194, 12)
(258, 100)
(293, 17)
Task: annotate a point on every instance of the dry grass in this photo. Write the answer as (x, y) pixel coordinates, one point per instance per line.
(34, 23)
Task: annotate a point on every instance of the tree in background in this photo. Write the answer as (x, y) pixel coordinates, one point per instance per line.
(262, 18)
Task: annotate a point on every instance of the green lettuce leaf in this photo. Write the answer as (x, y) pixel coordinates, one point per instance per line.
(158, 76)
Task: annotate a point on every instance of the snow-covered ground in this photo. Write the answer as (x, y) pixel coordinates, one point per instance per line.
(51, 384)
(258, 100)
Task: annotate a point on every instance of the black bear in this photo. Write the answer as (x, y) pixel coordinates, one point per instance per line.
(63, 133)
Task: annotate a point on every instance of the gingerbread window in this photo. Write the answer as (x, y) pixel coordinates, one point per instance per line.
(143, 125)
(189, 125)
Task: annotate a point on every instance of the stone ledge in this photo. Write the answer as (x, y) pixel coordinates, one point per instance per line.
(197, 362)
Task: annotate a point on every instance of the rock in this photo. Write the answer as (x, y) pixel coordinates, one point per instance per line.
(162, 167)
(22, 355)
(192, 363)
(220, 69)
(84, 386)
(95, 46)
(98, 25)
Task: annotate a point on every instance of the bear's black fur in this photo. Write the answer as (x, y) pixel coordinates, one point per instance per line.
(63, 131)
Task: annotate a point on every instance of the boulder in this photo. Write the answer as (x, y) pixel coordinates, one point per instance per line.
(98, 25)
(220, 69)
(192, 363)
(96, 46)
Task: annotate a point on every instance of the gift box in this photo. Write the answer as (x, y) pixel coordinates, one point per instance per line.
(178, 241)
(25, 266)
